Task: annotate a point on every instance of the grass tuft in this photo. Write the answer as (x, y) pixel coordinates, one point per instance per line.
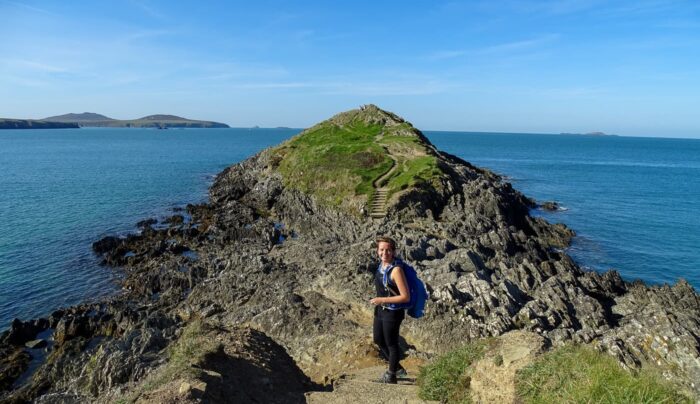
(582, 375)
(446, 379)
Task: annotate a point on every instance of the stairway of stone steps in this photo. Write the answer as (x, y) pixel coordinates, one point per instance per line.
(378, 207)
(362, 387)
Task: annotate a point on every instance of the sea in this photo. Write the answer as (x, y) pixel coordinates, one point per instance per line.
(633, 202)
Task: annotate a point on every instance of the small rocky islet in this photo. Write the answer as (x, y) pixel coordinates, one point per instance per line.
(262, 293)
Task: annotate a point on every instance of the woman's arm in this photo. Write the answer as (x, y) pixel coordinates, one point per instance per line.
(404, 295)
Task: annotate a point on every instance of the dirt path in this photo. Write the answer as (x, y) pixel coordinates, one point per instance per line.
(492, 377)
(360, 388)
(386, 175)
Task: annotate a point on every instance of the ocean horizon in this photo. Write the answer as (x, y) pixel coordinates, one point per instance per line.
(631, 200)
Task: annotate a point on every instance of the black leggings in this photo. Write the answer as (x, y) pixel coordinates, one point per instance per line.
(386, 334)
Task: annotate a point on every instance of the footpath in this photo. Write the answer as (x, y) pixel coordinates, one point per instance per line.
(492, 378)
(361, 387)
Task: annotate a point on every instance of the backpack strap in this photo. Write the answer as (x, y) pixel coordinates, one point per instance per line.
(387, 277)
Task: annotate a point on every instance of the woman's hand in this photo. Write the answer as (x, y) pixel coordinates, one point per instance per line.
(377, 301)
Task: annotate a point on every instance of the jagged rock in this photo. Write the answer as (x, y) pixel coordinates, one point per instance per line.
(13, 362)
(146, 223)
(20, 332)
(106, 244)
(550, 206)
(299, 270)
(35, 344)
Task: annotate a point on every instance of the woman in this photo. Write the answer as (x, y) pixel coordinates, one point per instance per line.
(392, 290)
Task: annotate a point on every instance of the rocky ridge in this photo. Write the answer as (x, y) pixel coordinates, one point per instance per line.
(268, 257)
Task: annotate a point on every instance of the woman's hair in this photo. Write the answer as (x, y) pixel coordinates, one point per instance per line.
(389, 240)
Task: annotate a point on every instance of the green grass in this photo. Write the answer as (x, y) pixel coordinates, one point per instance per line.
(339, 160)
(413, 173)
(333, 162)
(577, 374)
(446, 379)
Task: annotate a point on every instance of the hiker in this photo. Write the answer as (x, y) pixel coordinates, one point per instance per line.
(387, 316)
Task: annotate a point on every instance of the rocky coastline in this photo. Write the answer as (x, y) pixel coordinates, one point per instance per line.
(263, 264)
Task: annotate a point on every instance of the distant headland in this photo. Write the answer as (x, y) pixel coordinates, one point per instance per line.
(90, 119)
(588, 134)
(34, 124)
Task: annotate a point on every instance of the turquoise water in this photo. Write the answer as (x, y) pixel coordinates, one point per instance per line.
(60, 190)
(633, 201)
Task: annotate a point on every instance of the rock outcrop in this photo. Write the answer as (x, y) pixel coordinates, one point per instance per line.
(266, 256)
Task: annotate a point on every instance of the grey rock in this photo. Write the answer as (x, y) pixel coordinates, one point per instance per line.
(35, 344)
(489, 267)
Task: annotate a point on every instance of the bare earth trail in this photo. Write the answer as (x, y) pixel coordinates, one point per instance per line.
(492, 377)
(361, 387)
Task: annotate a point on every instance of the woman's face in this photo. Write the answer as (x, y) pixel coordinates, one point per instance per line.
(385, 252)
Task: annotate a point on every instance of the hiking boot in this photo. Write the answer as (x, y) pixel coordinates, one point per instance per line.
(401, 373)
(388, 377)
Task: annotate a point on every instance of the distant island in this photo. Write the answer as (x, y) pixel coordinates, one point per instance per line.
(588, 134)
(91, 119)
(34, 124)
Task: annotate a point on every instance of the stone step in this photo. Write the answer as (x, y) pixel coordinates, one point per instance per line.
(377, 208)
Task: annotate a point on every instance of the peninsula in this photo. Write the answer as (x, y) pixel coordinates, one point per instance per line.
(588, 134)
(261, 294)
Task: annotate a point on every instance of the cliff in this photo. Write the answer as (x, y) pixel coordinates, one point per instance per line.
(277, 257)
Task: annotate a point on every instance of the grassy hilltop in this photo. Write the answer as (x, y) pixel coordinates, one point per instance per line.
(343, 160)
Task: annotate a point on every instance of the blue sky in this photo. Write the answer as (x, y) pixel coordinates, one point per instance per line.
(624, 67)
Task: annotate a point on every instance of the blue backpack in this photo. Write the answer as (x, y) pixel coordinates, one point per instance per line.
(419, 295)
